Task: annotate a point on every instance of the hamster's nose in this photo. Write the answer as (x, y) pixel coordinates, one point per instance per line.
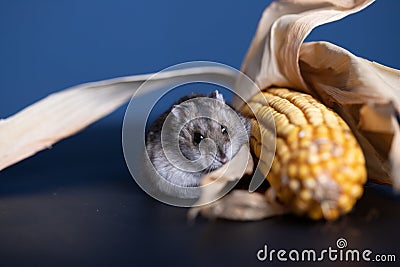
(222, 157)
(224, 160)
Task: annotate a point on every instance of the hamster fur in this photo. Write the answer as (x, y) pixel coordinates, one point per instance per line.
(173, 180)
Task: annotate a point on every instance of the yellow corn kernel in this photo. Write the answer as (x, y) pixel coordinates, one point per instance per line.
(319, 168)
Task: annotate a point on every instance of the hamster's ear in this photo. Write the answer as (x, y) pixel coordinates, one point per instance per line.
(217, 95)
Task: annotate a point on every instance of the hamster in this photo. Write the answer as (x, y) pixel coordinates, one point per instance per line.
(201, 133)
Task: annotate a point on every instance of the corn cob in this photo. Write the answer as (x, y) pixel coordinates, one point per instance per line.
(319, 168)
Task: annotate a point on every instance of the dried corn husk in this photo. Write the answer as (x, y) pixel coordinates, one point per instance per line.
(65, 113)
(366, 94)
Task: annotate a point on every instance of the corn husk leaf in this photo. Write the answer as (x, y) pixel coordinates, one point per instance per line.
(67, 112)
(366, 94)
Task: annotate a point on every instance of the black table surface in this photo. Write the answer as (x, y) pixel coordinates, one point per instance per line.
(77, 205)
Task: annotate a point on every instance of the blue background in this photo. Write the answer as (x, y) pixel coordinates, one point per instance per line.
(49, 45)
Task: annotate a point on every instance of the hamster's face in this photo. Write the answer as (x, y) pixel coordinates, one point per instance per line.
(227, 141)
(209, 120)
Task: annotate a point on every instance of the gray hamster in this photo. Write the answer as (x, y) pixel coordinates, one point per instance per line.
(200, 130)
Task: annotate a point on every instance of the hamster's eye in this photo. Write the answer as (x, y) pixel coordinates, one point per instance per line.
(197, 138)
(224, 130)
